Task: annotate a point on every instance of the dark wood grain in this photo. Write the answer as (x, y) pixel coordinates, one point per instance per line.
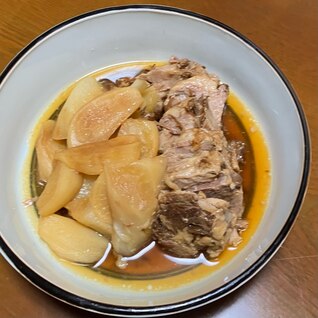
(287, 31)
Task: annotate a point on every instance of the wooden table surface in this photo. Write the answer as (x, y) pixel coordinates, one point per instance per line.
(288, 31)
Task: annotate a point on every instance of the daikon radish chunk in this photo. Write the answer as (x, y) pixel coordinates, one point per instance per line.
(151, 98)
(70, 240)
(93, 210)
(90, 158)
(98, 199)
(45, 148)
(141, 85)
(99, 119)
(62, 186)
(82, 211)
(148, 133)
(132, 193)
(84, 91)
(84, 191)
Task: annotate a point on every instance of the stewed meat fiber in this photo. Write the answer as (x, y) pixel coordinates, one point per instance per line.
(200, 205)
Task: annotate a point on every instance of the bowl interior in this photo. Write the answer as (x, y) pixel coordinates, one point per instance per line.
(85, 45)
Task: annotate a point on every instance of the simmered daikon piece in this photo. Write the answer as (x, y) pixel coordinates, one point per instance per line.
(45, 148)
(99, 119)
(85, 190)
(151, 99)
(93, 210)
(132, 193)
(62, 186)
(83, 92)
(82, 211)
(150, 96)
(141, 85)
(90, 158)
(148, 133)
(71, 240)
(98, 199)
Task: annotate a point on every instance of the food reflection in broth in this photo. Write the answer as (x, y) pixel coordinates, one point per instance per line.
(153, 263)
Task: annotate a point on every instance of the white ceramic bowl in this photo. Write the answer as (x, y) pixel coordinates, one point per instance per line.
(114, 35)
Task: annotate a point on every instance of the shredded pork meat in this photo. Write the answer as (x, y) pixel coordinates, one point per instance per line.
(201, 204)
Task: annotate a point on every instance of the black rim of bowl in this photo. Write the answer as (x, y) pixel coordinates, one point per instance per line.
(213, 295)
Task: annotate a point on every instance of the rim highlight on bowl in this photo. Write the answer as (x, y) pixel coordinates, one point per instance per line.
(80, 46)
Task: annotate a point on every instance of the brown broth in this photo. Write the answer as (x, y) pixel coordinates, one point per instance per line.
(154, 263)
(235, 130)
